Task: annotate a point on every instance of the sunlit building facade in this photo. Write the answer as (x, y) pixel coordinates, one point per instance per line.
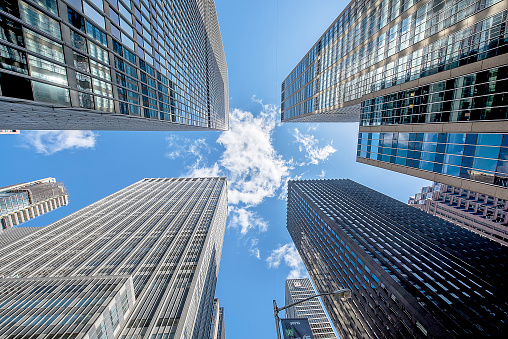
(480, 213)
(112, 65)
(298, 289)
(140, 263)
(217, 324)
(411, 274)
(411, 71)
(22, 202)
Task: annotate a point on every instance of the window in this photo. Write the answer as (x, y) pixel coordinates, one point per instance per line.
(50, 94)
(43, 69)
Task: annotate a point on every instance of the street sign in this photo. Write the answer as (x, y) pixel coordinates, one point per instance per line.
(297, 328)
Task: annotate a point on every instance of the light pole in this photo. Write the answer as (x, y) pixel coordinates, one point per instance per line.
(343, 294)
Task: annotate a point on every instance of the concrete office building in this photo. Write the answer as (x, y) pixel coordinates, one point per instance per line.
(407, 277)
(22, 202)
(112, 65)
(140, 263)
(479, 213)
(425, 79)
(298, 289)
(217, 324)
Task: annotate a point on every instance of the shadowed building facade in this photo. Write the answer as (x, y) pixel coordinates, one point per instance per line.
(112, 65)
(425, 79)
(298, 289)
(410, 273)
(153, 246)
(22, 202)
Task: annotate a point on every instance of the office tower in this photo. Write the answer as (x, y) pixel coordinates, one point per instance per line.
(217, 325)
(140, 263)
(22, 202)
(410, 273)
(112, 65)
(479, 213)
(426, 81)
(10, 235)
(298, 289)
(221, 334)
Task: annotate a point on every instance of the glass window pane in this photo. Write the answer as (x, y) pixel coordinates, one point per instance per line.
(485, 164)
(489, 139)
(13, 60)
(487, 152)
(43, 69)
(84, 82)
(102, 88)
(11, 31)
(103, 104)
(44, 46)
(98, 3)
(93, 14)
(40, 20)
(81, 62)
(98, 52)
(78, 41)
(99, 70)
(51, 94)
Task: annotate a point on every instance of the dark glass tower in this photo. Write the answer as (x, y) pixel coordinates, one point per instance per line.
(412, 274)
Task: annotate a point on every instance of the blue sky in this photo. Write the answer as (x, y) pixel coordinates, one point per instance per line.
(263, 41)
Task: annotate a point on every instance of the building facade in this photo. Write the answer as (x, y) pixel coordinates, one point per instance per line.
(160, 238)
(479, 213)
(217, 324)
(22, 202)
(406, 276)
(221, 334)
(112, 65)
(298, 289)
(425, 80)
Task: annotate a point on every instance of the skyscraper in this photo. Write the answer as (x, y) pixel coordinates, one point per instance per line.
(22, 202)
(298, 289)
(112, 65)
(140, 263)
(411, 274)
(425, 79)
(479, 213)
(217, 325)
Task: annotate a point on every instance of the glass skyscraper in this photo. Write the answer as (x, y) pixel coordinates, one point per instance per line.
(298, 289)
(112, 65)
(479, 213)
(140, 263)
(411, 274)
(22, 202)
(426, 80)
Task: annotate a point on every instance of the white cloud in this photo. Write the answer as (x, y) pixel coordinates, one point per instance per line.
(246, 220)
(322, 175)
(198, 171)
(254, 169)
(254, 250)
(309, 144)
(291, 258)
(183, 147)
(50, 142)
